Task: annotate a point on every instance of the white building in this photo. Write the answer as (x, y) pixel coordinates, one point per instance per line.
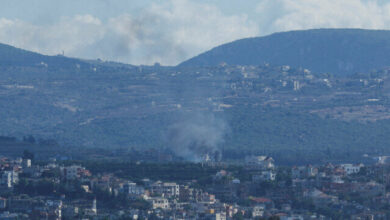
(159, 203)
(9, 178)
(94, 209)
(351, 169)
(132, 189)
(6, 180)
(258, 211)
(26, 163)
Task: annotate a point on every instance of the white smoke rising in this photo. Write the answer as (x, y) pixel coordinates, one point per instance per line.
(167, 32)
(197, 134)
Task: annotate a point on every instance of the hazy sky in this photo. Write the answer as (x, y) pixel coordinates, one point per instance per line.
(169, 31)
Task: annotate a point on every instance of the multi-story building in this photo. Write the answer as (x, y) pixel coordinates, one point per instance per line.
(160, 203)
(132, 189)
(166, 189)
(9, 178)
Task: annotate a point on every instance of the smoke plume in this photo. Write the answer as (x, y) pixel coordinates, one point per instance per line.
(198, 134)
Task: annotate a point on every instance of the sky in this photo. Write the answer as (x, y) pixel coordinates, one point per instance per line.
(169, 31)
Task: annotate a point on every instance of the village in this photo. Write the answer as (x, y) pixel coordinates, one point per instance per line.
(261, 190)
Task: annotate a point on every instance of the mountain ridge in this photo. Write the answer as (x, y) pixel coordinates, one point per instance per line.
(338, 51)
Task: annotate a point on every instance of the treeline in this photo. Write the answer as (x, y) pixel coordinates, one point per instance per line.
(28, 139)
(155, 171)
(30, 147)
(293, 136)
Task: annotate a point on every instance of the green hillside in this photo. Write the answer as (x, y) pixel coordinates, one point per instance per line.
(338, 51)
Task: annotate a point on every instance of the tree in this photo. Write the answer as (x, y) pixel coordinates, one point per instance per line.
(28, 155)
(29, 139)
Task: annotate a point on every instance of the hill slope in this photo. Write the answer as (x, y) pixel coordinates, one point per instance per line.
(285, 112)
(14, 57)
(339, 51)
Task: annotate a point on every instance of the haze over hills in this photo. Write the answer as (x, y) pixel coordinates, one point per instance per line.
(290, 113)
(337, 51)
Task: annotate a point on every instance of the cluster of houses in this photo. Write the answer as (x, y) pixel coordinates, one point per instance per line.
(10, 170)
(14, 205)
(261, 190)
(355, 190)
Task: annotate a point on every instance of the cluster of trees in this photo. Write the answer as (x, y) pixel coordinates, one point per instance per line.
(48, 187)
(293, 137)
(181, 171)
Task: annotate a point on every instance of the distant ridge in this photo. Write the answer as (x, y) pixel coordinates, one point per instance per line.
(338, 51)
(12, 56)
(15, 57)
